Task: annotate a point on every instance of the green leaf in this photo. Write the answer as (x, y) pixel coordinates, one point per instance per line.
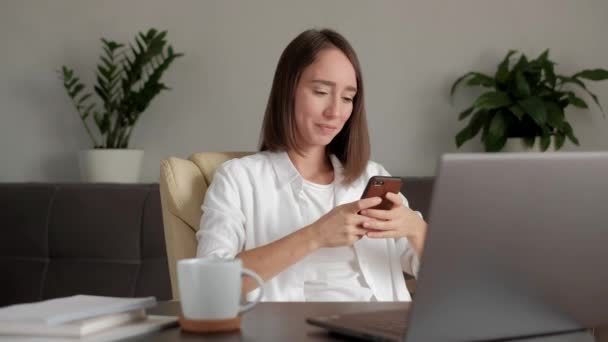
(140, 46)
(496, 134)
(76, 90)
(162, 35)
(463, 136)
(576, 101)
(559, 140)
(578, 82)
(547, 67)
(151, 33)
(549, 73)
(105, 123)
(569, 133)
(477, 122)
(593, 74)
(492, 100)
(67, 73)
(555, 114)
(455, 84)
(84, 98)
(486, 126)
(517, 111)
(498, 125)
(522, 64)
(565, 79)
(101, 93)
(71, 83)
(107, 63)
(543, 56)
(529, 140)
(545, 141)
(471, 129)
(89, 108)
(104, 72)
(480, 79)
(465, 113)
(97, 117)
(535, 107)
(502, 73)
(111, 45)
(523, 89)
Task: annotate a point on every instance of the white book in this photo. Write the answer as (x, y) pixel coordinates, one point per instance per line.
(67, 309)
(77, 328)
(150, 324)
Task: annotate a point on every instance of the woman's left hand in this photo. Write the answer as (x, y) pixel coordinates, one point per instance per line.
(397, 222)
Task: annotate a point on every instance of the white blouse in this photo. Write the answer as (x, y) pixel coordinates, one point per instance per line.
(334, 273)
(258, 199)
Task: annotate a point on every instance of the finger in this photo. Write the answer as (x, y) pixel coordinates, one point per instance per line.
(352, 239)
(395, 198)
(361, 232)
(356, 235)
(379, 214)
(358, 220)
(378, 225)
(354, 230)
(365, 203)
(383, 234)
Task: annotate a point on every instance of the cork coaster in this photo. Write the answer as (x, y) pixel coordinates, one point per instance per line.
(210, 326)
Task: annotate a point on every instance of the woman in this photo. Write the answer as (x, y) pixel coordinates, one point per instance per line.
(292, 211)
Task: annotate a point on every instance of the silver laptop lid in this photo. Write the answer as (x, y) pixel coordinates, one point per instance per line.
(517, 245)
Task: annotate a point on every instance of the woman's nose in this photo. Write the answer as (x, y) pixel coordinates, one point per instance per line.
(333, 109)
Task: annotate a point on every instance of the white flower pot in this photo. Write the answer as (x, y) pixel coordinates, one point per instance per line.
(517, 145)
(110, 165)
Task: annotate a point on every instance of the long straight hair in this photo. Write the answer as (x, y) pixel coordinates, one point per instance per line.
(351, 146)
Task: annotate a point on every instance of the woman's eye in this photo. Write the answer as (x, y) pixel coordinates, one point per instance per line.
(347, 99)
(318, 92)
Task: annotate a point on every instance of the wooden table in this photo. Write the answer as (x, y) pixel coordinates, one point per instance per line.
(286, 322)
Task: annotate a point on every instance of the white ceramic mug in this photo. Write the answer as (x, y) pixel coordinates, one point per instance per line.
(210, 288)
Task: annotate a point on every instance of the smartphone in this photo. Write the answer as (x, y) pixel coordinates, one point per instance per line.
(380, 186)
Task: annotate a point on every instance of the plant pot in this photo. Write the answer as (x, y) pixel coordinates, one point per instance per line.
(517, 145)
(110, 165)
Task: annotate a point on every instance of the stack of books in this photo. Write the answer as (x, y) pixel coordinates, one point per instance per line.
(82, 318)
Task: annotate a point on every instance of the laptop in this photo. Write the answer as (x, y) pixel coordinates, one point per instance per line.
(516, 247)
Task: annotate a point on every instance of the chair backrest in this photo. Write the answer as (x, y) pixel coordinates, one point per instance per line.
(183, 184)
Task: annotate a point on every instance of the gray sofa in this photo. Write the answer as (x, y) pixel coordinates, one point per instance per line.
(103, 239)
(64, 239)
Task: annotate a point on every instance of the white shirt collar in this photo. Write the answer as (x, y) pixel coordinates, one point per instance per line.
(286, 172)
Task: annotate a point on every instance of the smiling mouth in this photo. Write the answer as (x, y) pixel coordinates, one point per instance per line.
(327, 127)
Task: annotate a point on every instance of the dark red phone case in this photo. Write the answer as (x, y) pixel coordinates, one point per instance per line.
(379, 186)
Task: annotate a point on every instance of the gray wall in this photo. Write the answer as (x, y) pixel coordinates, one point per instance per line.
(411, 51)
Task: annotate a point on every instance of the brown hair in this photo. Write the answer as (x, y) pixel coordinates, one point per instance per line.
(351, 145)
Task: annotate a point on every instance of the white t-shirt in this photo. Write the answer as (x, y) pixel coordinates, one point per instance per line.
(334, 273)
(255, 200)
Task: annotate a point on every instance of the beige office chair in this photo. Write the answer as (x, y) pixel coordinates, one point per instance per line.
(183, 184)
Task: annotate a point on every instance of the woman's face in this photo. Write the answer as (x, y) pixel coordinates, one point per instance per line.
(324, 98)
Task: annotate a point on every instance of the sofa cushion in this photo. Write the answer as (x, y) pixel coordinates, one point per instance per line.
(24, 214)
(96, 222)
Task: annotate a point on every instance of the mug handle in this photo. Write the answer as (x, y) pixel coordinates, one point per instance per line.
(256, 277)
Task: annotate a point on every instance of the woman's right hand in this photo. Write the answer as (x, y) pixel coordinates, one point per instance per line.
(342, 225)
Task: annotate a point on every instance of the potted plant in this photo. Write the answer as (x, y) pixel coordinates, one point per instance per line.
(128, 78)
(526, 101)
